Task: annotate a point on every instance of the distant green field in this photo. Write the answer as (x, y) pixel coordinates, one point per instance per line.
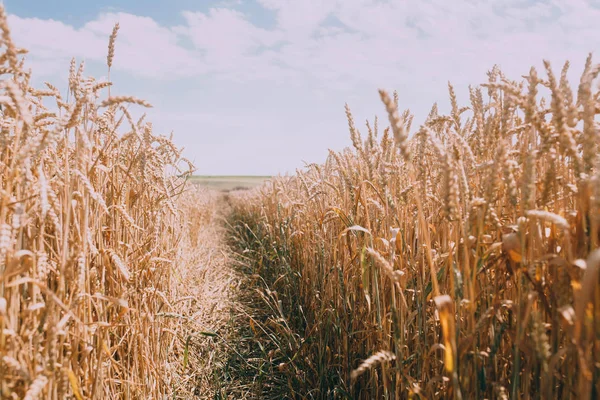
(227, 183)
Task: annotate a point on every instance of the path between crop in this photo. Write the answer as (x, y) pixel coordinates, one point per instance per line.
(220, 357)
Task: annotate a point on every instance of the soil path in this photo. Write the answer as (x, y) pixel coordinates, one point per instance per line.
(221, 357)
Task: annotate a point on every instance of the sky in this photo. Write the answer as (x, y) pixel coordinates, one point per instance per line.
(258, 87)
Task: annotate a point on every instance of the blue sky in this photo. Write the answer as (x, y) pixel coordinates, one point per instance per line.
(258, 87)
(78, 13)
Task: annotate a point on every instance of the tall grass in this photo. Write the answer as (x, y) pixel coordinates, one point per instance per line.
(460, 261)
(89, 228)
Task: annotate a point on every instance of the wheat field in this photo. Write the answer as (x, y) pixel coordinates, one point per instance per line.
(459, 261)
(91, 225)
(456, 260)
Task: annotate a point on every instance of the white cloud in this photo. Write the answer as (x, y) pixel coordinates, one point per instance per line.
(373, 37)
(225, 31)
(318, 55)
(143, 47)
